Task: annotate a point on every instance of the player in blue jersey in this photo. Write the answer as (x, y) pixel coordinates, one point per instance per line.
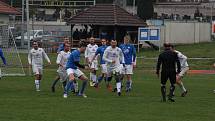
(60, 48)
(73, 71)
(129, 56)
(100, 51)
(2, 57)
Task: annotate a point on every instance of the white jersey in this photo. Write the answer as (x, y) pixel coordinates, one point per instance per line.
(62, 59)
(35, 57)
(113, 54)
(183, 59)
(90, 52)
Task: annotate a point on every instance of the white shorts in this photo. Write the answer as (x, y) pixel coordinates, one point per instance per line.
(94, 65)
(76, 72)
(37, 69)
(104, 68)
(118, 69)
(63, 75)
(183, 71)
(128, 69)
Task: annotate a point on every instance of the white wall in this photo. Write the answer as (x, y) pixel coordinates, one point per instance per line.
(186, 32)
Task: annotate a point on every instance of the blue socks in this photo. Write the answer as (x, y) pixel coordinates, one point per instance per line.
(84, 84)
(69, 86)
(128, 83)
(100, 79)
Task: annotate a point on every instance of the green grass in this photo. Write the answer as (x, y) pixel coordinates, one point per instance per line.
(20, 102)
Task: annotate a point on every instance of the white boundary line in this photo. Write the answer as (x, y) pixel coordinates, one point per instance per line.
(188, 58)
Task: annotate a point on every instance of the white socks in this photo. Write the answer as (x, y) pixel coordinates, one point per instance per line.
(118, 86)
(37, 84)
(182, 87)
(93, 77)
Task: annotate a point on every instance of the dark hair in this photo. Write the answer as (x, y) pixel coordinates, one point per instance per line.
(172, 46)
(166, 45)
(34, 42)
(82, 44)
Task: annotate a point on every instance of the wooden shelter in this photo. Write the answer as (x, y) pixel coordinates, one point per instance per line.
(109, 18)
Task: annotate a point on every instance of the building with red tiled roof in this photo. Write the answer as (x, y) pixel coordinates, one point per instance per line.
(108, 18)
(5, 11)
(106, 14)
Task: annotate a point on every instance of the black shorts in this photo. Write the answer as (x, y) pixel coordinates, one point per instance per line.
(168, 75)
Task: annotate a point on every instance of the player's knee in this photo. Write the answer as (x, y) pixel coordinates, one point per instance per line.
(71, 77)
(118, 77)
(178, 81)
(83, 78)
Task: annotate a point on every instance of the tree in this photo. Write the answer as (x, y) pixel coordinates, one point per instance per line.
(145, 9)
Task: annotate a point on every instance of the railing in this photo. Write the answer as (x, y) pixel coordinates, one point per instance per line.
(61, 3)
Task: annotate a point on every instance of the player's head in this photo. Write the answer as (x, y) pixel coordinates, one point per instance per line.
(103, 41)
(82, 46)
(166, 46)
(172, 47)
(126, 39)
(92, 40)
(66, 40)
(66, 47)
(35, 44)
(113, 43)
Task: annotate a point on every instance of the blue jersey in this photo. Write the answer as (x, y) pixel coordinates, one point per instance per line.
(129, 53)
(74, 57)
(2, 56)
(101, 51)
(60, 48)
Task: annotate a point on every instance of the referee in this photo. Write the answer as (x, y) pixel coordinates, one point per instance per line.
(168, 60)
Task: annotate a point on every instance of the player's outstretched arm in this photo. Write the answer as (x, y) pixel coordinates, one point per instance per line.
(46, 57)
(29, 58)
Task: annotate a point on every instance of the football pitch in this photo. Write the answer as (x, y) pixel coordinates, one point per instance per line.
(20, 102)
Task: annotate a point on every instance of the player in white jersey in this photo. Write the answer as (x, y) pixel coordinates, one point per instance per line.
(62, 59)
(184, 68)
(35, 59)
(114, 59)
(214, 67)
(89, 53)
(60, 48)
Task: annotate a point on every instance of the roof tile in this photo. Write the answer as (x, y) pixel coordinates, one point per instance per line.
(7, 9)
(106, 14)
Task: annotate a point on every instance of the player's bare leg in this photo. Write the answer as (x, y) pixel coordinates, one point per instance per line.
(181, 85)
(57, 78)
